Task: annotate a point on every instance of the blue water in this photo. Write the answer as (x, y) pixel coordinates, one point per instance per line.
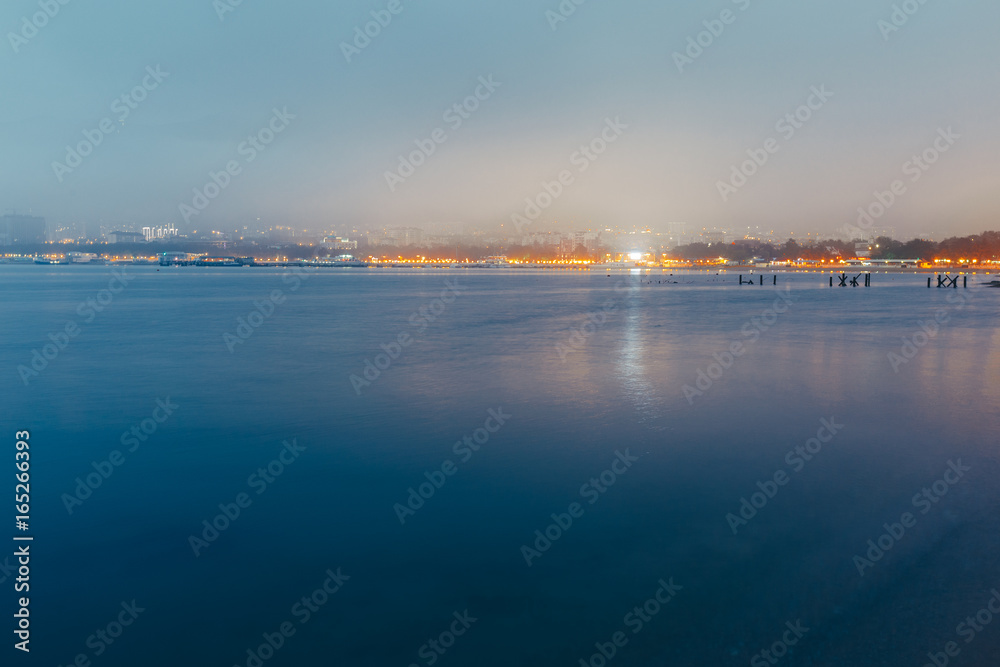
(575, 402)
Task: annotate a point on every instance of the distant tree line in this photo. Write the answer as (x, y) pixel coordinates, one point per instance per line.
(981, 247)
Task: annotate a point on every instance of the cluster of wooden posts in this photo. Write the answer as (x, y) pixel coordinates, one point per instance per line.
(846, 280)
(751, 282)
(949, 281)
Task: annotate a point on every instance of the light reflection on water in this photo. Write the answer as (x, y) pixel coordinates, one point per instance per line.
(496, 345)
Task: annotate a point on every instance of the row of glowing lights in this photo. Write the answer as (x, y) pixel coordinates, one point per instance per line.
(722, 260)
(635, 257)
(424, 260)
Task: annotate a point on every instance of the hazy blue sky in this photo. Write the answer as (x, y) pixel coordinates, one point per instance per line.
(891, 94)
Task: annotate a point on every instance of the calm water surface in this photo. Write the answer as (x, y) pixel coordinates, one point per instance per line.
(585, 368)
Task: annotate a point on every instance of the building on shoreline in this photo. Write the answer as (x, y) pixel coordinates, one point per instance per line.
(126, 237)
(21, 230)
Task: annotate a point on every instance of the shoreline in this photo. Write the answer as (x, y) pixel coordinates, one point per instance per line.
(745, 270)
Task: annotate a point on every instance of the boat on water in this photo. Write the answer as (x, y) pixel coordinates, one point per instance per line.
(84, 258)
(218, 261)
(46, 259)
(179, 258)
(338, 261)
(614, 265)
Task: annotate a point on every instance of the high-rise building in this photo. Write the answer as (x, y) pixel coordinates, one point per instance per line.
(566, 247)
(588, 240)
(21, 230)
(678, 233)
(338, 243)
(404, 236)
(159, 233)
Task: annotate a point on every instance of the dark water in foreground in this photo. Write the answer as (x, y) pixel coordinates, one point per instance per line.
(570, 403)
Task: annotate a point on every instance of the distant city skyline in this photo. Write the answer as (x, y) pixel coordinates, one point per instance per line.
(670, 235)
(735, 114)
(434, 235)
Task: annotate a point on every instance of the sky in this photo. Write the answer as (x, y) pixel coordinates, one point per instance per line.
(313, 117)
